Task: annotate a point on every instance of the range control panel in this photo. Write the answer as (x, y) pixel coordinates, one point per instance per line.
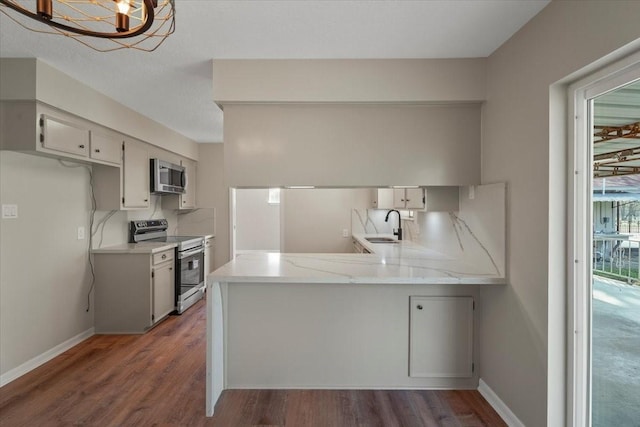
(142, 229)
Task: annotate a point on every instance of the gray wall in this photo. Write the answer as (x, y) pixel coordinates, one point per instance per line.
(44, 275)
(212, 192)
(524, 144)
(313, 219)
(345, 145)
(44, 278)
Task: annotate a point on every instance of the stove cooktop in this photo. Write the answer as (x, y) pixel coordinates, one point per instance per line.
(155, 230)
(184, 242)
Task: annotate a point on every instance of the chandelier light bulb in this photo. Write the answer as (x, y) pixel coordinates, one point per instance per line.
(123, 6)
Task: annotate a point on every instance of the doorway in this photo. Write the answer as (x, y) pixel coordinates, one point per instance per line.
(604, 322)
(257, 220)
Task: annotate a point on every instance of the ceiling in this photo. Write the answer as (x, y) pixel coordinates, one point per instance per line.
(616, 141)
(173, 85)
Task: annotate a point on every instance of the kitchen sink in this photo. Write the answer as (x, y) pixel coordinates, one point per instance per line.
(381, 240)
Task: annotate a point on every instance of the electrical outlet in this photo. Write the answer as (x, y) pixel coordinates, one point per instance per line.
(472, 192)
(9, 211)
(345, 232)
(80, 233)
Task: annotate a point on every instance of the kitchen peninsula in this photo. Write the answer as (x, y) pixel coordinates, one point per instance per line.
(400, 317)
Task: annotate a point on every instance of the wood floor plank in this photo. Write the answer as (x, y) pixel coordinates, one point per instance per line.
(159, 379)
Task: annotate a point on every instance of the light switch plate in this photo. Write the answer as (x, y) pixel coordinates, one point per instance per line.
(345, 233)
(80, 233)
(9, 211)
(472, 192)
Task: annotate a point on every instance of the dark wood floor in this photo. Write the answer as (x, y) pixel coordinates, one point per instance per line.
(158, 379)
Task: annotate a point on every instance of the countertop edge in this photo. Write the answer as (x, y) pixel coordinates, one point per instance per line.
(134, 248)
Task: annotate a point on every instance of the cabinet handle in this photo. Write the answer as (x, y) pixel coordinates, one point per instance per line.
(170, 268)
(146, 200)
(81, 145)
(184, 201)
(164, 256)
(419, 307)
(97, 150)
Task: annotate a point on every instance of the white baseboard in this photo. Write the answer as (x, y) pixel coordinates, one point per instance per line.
(499, 406)
(43, 358)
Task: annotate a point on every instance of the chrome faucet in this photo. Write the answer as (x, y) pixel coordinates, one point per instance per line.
(399, 231)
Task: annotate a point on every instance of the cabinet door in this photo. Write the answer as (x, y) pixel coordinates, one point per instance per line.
(135, 176)
(399, 199)
(106, 148)
(64, 136)
(382, 198)
(414, 198)
(441, 337)
(188, 198)
(208, 256)
(443, 199)
(163, 290)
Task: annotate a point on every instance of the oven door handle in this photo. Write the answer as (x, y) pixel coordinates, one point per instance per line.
(190, 252)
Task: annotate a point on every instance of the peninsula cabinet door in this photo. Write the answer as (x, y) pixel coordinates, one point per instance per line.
(441, 337)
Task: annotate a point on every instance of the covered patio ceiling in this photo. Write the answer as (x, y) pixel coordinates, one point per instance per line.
(616, 132)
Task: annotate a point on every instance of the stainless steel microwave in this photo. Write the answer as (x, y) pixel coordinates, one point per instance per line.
(167, 178)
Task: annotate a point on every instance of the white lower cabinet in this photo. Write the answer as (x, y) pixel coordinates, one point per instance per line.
(209, 250)
(133, 291)
(164, 290)
(441, 337)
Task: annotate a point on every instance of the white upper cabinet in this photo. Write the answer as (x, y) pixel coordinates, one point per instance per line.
(398, 198)
(105, 147)
(125, 187)
(188, 199)
(408, 198)
(135, 175)
(429, 199)
(63, 135)
(443, 199)
(382, 198)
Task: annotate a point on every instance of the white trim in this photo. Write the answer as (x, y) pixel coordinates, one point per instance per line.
(344, 387)
(232, 223)
(579, 231)
(43, 358)
(498, 405)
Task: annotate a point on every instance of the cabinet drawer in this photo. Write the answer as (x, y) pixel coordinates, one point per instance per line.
(164, 256)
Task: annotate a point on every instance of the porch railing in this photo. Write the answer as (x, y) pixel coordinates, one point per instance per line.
(617, 257)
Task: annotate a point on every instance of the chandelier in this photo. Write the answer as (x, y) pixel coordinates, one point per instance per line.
(103, 25)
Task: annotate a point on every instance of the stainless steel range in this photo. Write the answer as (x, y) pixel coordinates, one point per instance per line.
(189, 269)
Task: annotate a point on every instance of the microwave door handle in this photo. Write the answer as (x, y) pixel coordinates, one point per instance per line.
(185, 179)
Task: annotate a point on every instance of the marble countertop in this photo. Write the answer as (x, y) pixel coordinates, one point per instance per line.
(391, 263)
(135, 248)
